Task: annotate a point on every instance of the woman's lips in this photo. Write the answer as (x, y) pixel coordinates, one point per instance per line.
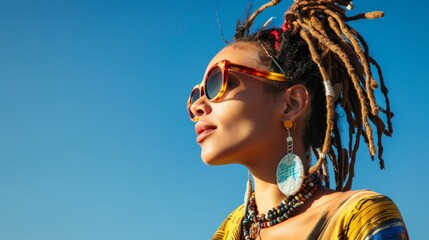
(203, 131)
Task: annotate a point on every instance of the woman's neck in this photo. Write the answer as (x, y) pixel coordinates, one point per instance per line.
(267, 193)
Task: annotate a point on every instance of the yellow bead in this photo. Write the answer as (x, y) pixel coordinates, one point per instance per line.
(288, 124)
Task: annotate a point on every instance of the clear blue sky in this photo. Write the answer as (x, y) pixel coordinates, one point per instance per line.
(95, 141)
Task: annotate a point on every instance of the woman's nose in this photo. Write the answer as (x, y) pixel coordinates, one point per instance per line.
(201, 107)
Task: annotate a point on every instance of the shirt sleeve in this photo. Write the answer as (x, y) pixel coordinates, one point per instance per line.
(230, 229)
(371, 217)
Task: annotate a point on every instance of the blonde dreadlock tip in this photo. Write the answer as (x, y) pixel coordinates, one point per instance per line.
(372, 151)
(374, 15)
(319, 163)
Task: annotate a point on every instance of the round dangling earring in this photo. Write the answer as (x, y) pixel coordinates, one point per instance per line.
(290, 171)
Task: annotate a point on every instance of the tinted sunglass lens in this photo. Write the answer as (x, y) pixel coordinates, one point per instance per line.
(214, 83)
(195, 95)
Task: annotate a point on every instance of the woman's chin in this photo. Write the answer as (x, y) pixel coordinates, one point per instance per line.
(210, 158)
(210, 161)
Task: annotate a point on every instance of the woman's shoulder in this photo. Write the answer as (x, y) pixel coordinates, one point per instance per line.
(365, 214)
(354, 197)
(231, 226)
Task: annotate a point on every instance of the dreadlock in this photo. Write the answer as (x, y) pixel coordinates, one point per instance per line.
(317, 48)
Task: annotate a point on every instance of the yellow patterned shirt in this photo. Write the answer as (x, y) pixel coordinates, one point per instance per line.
(360, 215)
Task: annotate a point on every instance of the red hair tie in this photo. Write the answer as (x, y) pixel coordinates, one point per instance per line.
(276, 35)
(285, 26)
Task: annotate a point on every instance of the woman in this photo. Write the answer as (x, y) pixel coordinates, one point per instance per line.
(268, 100)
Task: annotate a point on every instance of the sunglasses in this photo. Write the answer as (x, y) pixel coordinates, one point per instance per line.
(215, 82)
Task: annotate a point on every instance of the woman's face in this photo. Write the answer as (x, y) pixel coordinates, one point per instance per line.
(245, 124)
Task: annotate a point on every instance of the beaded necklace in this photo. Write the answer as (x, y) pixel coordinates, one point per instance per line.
(253, 222)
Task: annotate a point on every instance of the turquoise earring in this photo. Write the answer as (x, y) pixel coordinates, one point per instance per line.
(290, 171)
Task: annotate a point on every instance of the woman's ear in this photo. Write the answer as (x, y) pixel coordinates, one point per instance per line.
(296, 101)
